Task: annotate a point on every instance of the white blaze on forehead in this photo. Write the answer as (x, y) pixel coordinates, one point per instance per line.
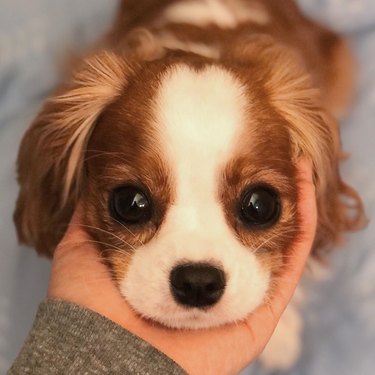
(225, 14)
(200, 115)
(168, 40)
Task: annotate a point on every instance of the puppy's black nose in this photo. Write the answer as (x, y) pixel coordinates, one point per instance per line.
(197, 285)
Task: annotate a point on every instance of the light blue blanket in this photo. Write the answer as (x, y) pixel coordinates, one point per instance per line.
(35, 35)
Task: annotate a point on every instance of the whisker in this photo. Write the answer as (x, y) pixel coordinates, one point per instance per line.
(107, 232)
(128, 230)
(106, 244)
(291, 230)
(114, 250)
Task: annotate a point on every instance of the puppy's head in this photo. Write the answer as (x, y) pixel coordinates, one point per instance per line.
(185, 169)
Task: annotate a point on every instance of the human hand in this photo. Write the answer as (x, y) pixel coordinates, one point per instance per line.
(80, 276)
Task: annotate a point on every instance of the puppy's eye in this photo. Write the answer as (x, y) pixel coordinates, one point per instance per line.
(260, 206)
(130, 205)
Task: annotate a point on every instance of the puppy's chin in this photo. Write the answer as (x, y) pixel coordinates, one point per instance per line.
(174, 316)
(196, 319)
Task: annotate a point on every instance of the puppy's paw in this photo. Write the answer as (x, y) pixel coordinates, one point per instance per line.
(284, 348)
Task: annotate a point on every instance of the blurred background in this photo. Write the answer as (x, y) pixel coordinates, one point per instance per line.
(37, 35)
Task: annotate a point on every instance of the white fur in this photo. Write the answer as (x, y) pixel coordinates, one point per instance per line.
(168, 40)
(222, 13)
(200, 116)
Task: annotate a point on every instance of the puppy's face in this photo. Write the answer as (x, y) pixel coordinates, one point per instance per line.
(185, 168)
(190, 192)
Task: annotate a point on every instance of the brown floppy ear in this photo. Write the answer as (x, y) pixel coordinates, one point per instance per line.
(52, 150)
(340, 208)
(314, 135)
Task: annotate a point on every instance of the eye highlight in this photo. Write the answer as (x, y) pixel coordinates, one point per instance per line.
(130, 205)
(260, 206)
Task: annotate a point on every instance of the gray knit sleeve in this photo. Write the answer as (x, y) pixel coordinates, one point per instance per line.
(68, 339)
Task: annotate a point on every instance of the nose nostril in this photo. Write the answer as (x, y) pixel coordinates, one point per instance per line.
(197, 285)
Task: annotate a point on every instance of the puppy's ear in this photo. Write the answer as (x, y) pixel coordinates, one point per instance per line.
(314, 135)
(52, 151)
(340, 208)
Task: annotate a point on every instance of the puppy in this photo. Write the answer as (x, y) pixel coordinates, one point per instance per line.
(179, 136)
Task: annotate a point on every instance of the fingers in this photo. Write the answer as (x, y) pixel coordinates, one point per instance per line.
(75, 229)
(307, 212)
(76, 241)
(77, 265)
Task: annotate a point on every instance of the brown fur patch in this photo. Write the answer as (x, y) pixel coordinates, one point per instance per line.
(51, 153)
(124, 149)
(263, 156)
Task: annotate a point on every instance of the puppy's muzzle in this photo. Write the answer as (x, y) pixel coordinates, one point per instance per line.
(197, 285)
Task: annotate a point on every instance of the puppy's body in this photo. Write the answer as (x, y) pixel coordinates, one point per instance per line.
(180, 138)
